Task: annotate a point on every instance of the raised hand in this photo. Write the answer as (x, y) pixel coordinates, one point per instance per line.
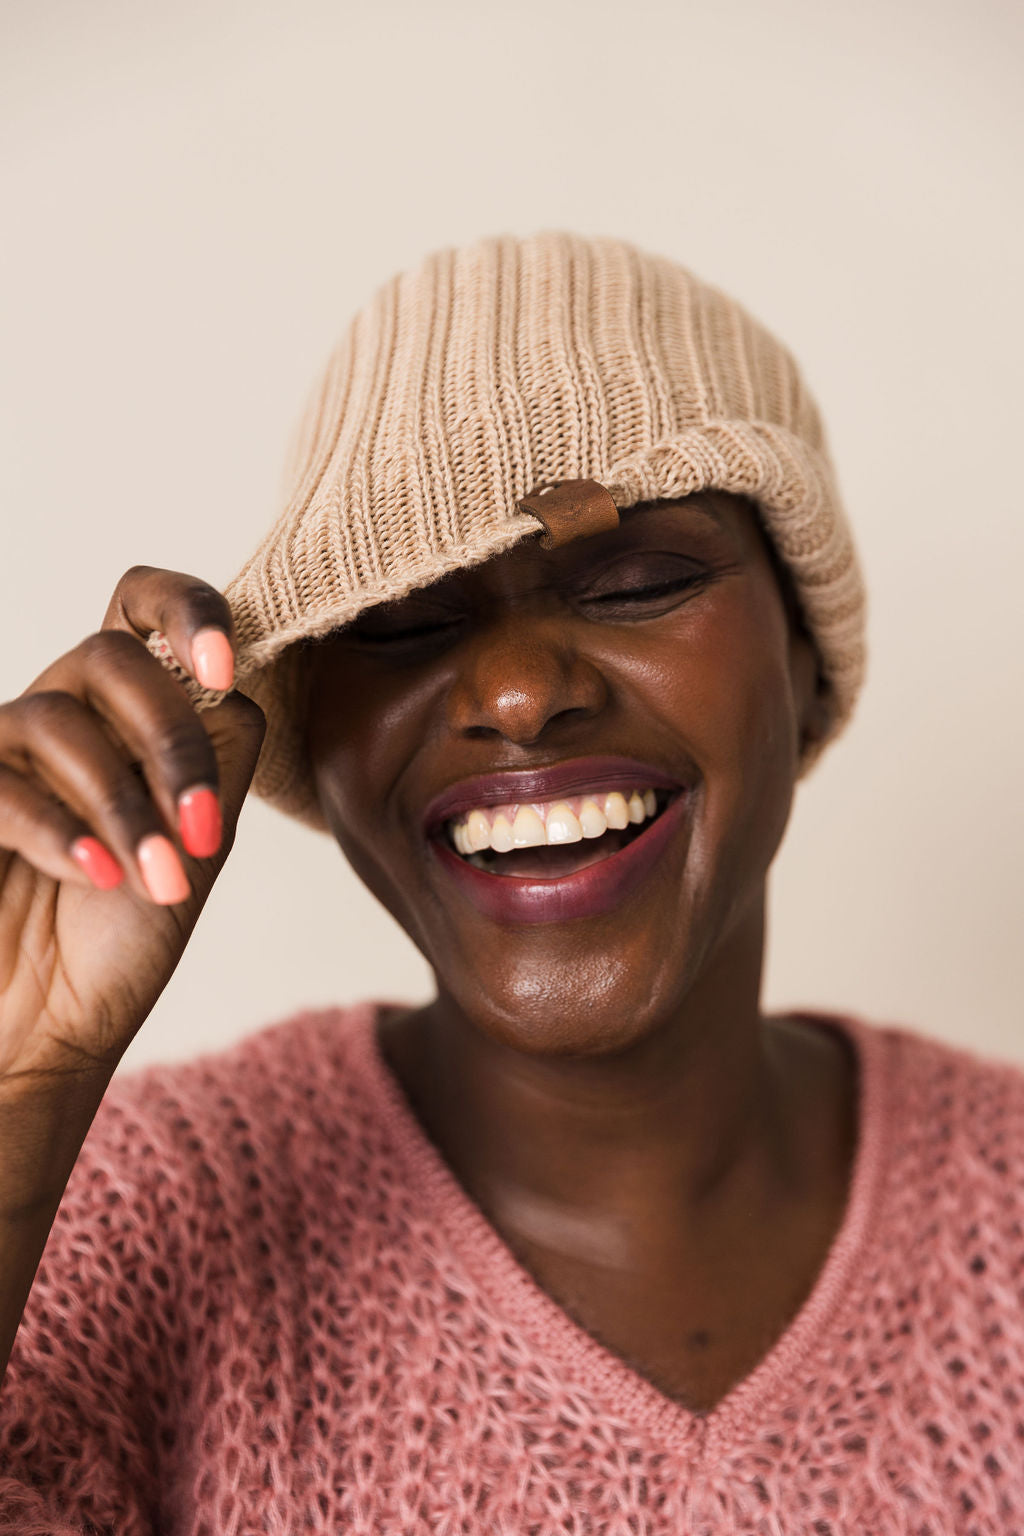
(104, 866)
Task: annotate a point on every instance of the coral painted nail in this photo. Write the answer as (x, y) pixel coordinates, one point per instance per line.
(102, 868)
(164, 877)
(199, 819)
(213, 659)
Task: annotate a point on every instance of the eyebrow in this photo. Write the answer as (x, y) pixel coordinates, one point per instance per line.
(696, 502)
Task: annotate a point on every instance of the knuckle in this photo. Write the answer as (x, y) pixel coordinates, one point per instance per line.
(183, 747)
(14, 810)
(48, 712)
(124, 800)
(110, 648)
(133, 574)
(28, 819)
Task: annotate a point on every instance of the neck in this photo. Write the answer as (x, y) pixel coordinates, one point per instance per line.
(612, 1160)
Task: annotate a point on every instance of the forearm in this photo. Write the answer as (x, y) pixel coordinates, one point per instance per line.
(41, 1135)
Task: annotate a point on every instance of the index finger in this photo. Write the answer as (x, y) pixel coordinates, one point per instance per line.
(193, 615)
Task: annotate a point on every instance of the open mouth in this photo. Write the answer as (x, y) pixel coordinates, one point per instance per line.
(548, 840)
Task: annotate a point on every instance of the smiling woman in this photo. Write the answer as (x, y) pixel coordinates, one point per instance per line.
(651, 660)
(562, 606)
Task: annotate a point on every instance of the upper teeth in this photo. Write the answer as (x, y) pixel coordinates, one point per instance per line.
(504, 827)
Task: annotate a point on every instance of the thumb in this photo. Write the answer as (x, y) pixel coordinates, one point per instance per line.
(236, 725)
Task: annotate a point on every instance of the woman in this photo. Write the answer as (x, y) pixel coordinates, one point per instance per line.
(562, 605)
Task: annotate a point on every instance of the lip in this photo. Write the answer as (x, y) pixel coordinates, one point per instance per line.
(587, 893)
(525, 786)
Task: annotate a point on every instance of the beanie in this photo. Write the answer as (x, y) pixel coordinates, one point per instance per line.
(495, 370)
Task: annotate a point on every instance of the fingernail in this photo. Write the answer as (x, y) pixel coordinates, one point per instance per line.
(165, 879)
(199, 820)
(213, 659)
(102, 868)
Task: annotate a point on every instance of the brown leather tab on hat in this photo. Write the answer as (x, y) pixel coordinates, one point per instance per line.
(573, 510)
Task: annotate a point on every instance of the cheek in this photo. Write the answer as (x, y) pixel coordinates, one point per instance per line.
(725, 686)
(361, 737)
(339, 739)
(360, 734)
(733, 682)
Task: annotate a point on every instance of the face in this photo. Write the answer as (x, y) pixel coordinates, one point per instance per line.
(649, 675)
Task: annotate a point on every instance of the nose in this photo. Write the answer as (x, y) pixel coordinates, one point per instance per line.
(522, 678)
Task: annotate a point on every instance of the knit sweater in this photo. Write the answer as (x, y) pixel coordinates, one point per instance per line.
(268, 1306)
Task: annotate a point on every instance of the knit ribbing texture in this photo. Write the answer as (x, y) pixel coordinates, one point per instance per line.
(267, 1305)
(490, 372)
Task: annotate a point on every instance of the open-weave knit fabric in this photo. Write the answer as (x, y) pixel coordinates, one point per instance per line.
(494, 371)
(267, 1306)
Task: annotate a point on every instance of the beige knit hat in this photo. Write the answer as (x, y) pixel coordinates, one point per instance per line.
(490, 372)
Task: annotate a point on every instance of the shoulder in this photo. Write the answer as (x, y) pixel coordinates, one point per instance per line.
(954, 1094)
(949, 1127)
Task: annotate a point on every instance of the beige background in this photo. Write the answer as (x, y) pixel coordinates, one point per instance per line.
(195, 198)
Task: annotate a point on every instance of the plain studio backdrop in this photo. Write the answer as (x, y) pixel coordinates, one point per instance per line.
(197, 196)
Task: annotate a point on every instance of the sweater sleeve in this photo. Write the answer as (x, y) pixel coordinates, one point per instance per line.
(89, 1409)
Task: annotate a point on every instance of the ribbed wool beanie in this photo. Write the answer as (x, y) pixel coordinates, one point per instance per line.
(490, 372)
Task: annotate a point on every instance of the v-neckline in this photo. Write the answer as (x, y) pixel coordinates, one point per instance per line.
(518, 1298)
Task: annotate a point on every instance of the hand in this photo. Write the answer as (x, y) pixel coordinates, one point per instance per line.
(101, 880)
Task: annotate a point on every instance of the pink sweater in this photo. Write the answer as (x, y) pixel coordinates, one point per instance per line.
(267, 1306)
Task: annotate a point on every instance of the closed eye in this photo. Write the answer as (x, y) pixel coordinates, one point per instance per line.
(629, 602)
(649, 593)
(410, 634)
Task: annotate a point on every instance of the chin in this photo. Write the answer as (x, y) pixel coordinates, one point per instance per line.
(600, 1004)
